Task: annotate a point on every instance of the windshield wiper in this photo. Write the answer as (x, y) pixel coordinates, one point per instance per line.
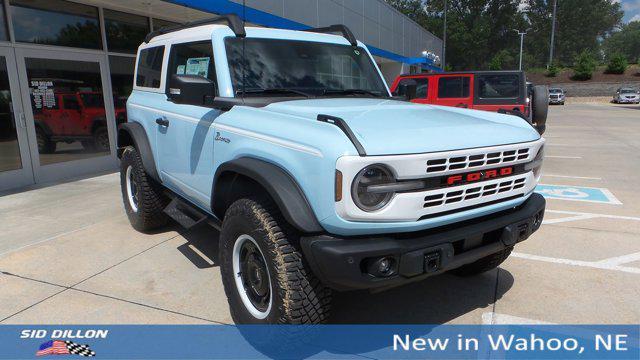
(275, 91)
(350, 92)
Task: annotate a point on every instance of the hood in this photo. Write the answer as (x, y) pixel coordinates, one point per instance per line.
(387, 127)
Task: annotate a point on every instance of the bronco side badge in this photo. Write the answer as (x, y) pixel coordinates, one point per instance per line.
(220, 138)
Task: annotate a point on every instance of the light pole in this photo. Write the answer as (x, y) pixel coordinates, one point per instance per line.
(553, 32)
(444, 38)
(522, 34)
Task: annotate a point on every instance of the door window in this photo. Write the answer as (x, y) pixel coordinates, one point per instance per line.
(194, 58)
(9, 148)
(150, 67)
(498, 86)
(453, 87)
(70, 102)
(422, 87)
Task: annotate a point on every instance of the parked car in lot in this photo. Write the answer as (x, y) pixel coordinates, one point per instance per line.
(626, 96)
(290, 143)
(556, 96)
(500, 91)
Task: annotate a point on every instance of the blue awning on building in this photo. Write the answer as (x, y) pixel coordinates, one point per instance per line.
(264, 18)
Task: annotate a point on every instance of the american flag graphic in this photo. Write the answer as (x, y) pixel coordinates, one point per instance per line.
(60, 347)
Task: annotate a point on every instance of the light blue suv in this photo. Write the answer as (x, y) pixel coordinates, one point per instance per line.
(318, 180)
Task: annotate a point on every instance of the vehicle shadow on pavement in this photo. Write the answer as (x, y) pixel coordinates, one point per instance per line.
(201, 247)
(435, 300)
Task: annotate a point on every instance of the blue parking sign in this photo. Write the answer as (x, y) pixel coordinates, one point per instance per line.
(577, 193)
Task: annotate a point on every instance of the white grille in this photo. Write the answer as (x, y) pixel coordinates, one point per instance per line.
(451, 197)
(476, 160)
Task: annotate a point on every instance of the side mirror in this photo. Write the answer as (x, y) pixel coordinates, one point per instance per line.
(191, 90)
(410, 91)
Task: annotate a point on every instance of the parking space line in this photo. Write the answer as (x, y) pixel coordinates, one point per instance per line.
(562, 157)
(619, 217)
(581, 263)
(572, 177)
(493, 318)
(619, 260)
(568, 218)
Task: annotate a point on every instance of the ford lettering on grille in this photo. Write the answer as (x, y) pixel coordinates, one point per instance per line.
(471, 177)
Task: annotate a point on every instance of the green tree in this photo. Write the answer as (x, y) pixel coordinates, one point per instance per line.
(584, 66)
(478, 29)
(502, 60)
(617, 64)
(553, 70)
(625, 41)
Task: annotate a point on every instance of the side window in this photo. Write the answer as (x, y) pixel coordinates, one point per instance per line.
(70, 102)
(499, 86)
(195, 58)
(422, 87)
(453, 87)
(150, 67)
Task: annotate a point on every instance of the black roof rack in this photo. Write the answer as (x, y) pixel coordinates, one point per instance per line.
(337, 29)
(233, 21)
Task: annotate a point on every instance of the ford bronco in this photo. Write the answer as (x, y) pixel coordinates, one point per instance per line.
(290, 144)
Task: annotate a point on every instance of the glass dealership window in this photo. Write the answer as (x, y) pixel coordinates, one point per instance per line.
(9, 149)
(159, 23)
(4, 32)
(121, 84)
(124, 31)
(68, 109)
(43, 22)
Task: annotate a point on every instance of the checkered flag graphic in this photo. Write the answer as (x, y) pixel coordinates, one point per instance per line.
(78, 349)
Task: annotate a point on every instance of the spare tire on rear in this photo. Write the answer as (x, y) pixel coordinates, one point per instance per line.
(539, 107)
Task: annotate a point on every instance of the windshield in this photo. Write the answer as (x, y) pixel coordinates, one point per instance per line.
(302, 67)
(555, 91)
(627, 91)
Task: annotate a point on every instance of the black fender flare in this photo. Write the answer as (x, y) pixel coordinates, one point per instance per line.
(132, 133)
(280, 185)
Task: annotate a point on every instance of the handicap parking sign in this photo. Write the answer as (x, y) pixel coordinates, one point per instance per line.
(577, 193)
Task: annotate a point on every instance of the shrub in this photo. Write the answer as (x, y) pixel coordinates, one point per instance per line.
(500, 60)
(617, 64)
(584, 65)
(553, 70)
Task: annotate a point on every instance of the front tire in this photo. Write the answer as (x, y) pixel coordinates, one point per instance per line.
(101, 139)
(483, 265)
(265, 277)
(142, 196)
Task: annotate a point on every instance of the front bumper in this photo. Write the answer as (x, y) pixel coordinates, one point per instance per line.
(628, 101)
(342, 263)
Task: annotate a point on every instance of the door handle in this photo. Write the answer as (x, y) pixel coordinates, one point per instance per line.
(462, 105)
(162, 121)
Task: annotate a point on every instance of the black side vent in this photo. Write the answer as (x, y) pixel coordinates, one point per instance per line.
(340, 123)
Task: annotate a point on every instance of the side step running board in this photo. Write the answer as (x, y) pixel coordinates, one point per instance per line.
(187, 215)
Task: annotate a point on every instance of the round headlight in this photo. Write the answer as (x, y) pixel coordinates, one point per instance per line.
(366, 199)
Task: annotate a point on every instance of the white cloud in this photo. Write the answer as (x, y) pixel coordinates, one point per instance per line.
(636, 17)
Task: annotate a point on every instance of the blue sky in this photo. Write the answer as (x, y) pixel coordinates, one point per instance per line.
(631, 9)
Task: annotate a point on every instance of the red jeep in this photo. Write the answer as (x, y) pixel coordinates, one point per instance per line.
(500, 91)
(75, 116)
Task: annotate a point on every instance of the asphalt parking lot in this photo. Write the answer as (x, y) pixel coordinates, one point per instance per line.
(69, 256)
